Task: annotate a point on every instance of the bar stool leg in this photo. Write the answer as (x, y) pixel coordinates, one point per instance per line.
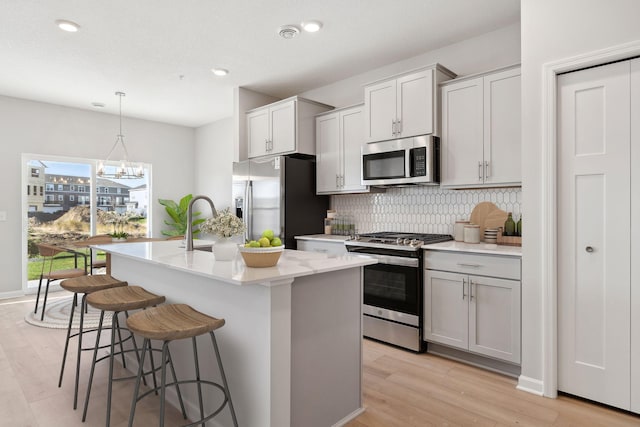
(93, 366)
(38, 297)
(195, 359)
(175, 380)
(111, 357)
(66, 344)
(75, 392)
(44, 303)
(136, 389)
(224, 378)
(163, 380)
(114, 322)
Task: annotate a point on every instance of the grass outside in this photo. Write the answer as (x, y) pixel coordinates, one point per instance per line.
(61, 261)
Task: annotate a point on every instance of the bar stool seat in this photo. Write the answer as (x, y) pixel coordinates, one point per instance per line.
(82, 285)
(172, 322)
(117, 300)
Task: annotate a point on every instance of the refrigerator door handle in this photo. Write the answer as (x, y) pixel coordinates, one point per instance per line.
(250, 210)
(248, 193)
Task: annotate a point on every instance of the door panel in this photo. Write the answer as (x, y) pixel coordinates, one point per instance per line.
(352, 139)
(462, 133)
(258, 132)
(283, 127)
(593, 239)
(415, 104)
(494, 317)
(380, 110)
(635, 236)
(446, 309)
(327, 153)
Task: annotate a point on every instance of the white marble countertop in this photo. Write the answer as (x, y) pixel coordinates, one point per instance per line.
(477, 248)
(324, 237)
(292, 263)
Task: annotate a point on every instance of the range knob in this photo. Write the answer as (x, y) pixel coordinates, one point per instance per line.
(407, 241)
(399, 241)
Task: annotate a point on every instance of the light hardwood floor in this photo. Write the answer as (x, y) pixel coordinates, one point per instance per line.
(407, 389)
(400, 389)
(29, 367)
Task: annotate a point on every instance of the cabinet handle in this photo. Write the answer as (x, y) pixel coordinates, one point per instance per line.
(270, 145)
(464, 282)
(471, 283)
(399, 126)
(479, 171)
(462, 264)
(486, 169)
(266, 144)
(589, 249)
(393, 127)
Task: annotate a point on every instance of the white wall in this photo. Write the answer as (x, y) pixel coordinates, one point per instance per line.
(495, 49)
(39, 128)
(213, 163)
(553, 30)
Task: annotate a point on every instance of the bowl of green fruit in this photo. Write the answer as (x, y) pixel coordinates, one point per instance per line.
(264, 252)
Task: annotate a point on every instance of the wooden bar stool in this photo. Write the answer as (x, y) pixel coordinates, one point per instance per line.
(83, 285)
(173, 322)
(117, 300)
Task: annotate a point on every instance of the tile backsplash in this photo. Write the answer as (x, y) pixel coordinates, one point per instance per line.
(421, 209)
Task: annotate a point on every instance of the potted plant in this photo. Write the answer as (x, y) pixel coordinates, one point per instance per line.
(178, 214)
(119, 221)
(224, 226)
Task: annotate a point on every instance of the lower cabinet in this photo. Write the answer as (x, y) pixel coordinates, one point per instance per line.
(480, 314)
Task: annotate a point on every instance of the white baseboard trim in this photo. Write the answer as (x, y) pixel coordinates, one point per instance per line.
(530, 385)
(11, 294)
(349, 417)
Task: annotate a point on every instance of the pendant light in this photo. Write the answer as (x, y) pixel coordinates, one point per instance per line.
(126, 169)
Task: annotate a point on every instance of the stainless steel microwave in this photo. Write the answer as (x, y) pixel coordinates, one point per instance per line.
(407, 161)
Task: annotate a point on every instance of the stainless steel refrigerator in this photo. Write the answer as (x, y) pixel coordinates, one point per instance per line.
(279, 194)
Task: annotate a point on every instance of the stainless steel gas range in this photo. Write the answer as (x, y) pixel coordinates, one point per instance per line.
(393, 302)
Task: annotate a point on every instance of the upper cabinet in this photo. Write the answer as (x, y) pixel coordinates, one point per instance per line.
(481, 130)
(405, 105)
(339, 135)
(284, 127)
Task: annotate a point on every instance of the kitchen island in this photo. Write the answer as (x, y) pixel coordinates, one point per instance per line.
(292, 342)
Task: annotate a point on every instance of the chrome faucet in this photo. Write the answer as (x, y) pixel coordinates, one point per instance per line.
(189, 236)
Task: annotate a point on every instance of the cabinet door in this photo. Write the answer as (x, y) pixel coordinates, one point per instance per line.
(258, 132)
(330, 248)
(462, 133)
(494, 317)
(327, 153)
(380, 111)
(352, 138)
(446, 308)
(283, 127)
(415, 104)
(502, 128)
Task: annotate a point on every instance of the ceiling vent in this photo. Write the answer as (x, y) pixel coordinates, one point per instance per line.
(288, 31)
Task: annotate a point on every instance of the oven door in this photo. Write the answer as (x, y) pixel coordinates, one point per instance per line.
(393, 284)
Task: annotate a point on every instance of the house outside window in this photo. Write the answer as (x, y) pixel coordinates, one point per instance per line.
(60, 187)
(49, 198)
(73, 188)
(41, 190)
(49, 187)
(60, 198)
(81, 189)
(72, 198)
(28, 190)
(35, 172)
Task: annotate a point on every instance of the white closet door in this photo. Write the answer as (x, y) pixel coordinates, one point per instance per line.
(593, 234)
(635, 236)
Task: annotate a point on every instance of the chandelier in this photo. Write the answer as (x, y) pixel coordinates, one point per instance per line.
(126, 169)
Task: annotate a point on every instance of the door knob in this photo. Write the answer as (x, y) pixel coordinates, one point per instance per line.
(589, 249)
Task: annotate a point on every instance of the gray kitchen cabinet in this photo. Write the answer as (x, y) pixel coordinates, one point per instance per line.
(336, 247)
(284, 127)
(339, 135)
(404, 105)
(481, 130)
(473, 312)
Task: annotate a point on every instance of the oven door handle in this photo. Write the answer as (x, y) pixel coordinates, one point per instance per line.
(395, 260)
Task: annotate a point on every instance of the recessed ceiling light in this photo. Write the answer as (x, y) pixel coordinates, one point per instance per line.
(288, 31)
(312, 26)
(219, 72)
(98, 104)
(68, 26)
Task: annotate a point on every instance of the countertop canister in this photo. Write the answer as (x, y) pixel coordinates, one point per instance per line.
(472, 233)
(458, 230)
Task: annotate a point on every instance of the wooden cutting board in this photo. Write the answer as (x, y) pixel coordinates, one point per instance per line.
(487, 215)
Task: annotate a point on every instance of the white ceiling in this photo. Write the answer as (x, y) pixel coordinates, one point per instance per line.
(143, 47)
